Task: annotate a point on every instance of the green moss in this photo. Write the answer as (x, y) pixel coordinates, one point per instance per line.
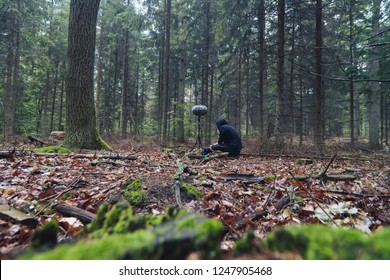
(134, 193)
(245, 244)
(317, 242)
(192, 190)
(116, 233)
(45, 237)
(53, 149)
(378, 246)
(103, 145)
(201, 179)
(98, 222)
(166, 150)
(138, 245)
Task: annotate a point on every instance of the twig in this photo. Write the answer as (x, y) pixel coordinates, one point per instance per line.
(313, 198)
(71, 187)
(323, 174)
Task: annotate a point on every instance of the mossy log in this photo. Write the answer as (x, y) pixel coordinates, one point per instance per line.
(116, 233)
(320, 242)
(214, 156)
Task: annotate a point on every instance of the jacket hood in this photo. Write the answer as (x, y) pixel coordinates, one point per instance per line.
(221, 122)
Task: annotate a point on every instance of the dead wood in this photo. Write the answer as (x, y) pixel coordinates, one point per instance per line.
(36, 141)
(359, 194)
(214, 156)
(92, 156)
(330, 162)
(72, 211)
(178, 177)
(245, 178)
(7, 154)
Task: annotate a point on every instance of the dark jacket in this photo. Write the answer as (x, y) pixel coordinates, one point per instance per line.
(229, 137)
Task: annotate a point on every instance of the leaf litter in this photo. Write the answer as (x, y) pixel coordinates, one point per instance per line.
(32, 184)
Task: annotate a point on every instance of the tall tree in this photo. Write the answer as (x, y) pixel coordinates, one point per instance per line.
(318, 91)
(374, 95)
(165, 73)
(262, 64)
(81, 130)
(280, 75)
(12, 71)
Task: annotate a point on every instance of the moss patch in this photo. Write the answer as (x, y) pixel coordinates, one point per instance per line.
(116, 233)
(53, 149)
(191, 190)
(45, 237)
(166, 150)
(134, 193)
(319, 242)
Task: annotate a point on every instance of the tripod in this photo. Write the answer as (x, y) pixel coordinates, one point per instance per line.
(198, 139)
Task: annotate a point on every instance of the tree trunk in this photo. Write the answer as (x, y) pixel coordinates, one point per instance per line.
(81, 130)
(182, 82)
(53, 103)
(261, 39)
(124, 107)
(374, 97)
(165, 74)
(280, 75)
(318, 94)
(9, 98)
(205, 80)
(351, 84)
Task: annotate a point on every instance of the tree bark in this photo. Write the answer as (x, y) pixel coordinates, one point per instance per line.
(81, 130)
(165, 74)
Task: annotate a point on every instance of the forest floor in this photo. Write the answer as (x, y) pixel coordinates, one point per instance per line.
(263, 189)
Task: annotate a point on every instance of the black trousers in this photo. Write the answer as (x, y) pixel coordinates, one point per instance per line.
(233, 151)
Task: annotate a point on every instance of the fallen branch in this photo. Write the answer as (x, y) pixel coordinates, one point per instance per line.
(246, 178)
(210, 157)
(7, 154)
(178, 179)
(92, 156)
(360, 194)
(323, 174)
(72, 211)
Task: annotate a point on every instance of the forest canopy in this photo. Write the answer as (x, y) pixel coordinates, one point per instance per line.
(272, 68)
